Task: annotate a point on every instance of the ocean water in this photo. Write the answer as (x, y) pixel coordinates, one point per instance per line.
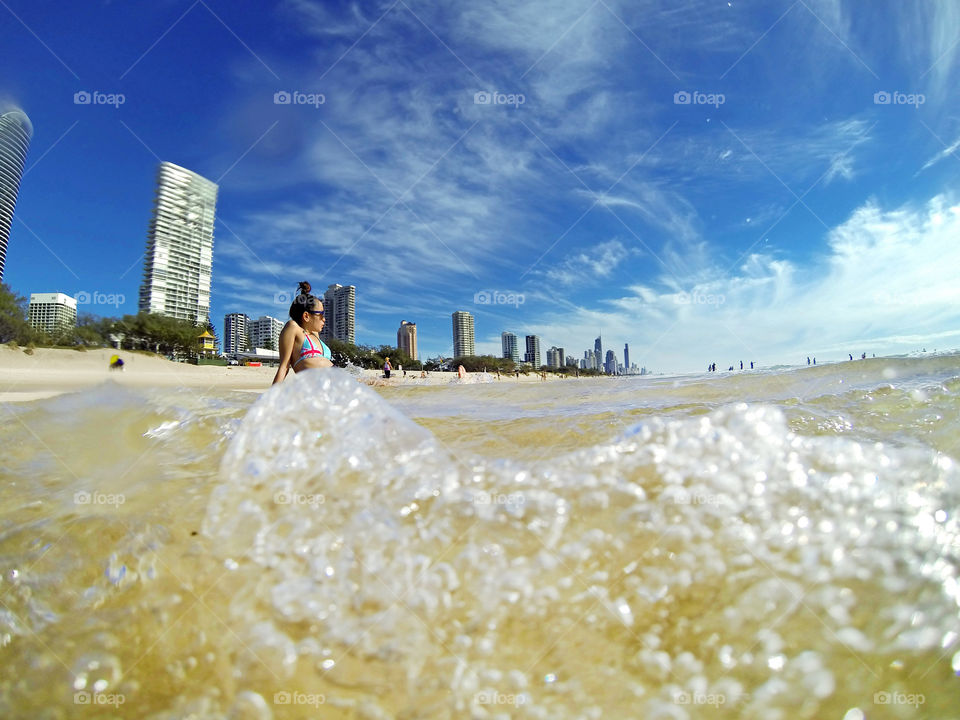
(772, 544)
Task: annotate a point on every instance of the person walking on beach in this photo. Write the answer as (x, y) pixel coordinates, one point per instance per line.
(387, 368)
(300, 337)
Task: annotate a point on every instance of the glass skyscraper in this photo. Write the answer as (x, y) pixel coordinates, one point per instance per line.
(15, 134)
(179, 257)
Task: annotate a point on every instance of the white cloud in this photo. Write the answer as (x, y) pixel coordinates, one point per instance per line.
(886, 280)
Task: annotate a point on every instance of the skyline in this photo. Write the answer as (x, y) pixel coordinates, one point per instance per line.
(716, 182)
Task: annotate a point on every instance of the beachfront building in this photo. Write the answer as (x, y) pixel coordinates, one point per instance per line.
(532, 355)
(15, 134)
(598, 353)
(553, 357)
(53, 313)
(265, 333)
(179, 256)
(236, 333)
(340, 308)
(626, 356)
(508, 343)
(610, 366)
(463, 341)
(589, 361)
(407, 338)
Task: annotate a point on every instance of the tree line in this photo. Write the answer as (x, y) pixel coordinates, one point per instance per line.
(178, 338)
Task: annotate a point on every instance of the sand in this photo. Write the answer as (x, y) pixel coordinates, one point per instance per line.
(53, 371)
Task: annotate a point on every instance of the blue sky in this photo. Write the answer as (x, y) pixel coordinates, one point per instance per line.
(707, 181)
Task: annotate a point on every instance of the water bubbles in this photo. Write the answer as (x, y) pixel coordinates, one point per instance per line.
(776, 662)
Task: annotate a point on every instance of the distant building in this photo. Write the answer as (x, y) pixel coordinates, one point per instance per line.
(532, 355)
(598, 352)
(178, 262)
(508, 342)
(265, 333)
(610, 366)
(15, 135)
(626, 356)
(236, 333)
(589, 361)
(407, 338)
(53, 313)
(553, 358)
(463, 335)
(340, 308)
(556, 357)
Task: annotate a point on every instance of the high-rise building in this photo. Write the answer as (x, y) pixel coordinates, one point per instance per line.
(179, 257)
(463, 341)
(15, 134)
(598, 352)
(532, 355)
(589, 361)
(610, 367)
(553, 357)
(340, 308)
(508, 342)
(407, 338)
(236, 333)
(53, 313)
(265, 333)
(626, 356)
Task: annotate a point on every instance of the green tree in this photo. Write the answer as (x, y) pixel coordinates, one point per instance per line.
(13, 319)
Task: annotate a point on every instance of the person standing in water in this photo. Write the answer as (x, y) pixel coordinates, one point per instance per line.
(300, 345)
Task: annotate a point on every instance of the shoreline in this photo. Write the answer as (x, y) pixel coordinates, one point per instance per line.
(49, 372)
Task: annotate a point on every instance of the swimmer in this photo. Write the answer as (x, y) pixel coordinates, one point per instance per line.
(301, 336)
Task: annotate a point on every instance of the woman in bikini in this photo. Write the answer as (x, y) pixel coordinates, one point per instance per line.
(300, 345)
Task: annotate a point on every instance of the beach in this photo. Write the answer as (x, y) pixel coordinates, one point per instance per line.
(190, 541)
(52, 371)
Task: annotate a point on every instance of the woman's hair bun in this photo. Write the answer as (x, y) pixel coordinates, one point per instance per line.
(304, 288)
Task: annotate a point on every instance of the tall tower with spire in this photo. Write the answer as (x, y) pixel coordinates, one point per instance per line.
(16, 131)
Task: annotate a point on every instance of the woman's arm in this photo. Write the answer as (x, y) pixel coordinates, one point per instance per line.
(288, 338)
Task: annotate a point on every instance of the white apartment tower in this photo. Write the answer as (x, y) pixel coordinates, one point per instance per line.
(179, 257)
(236, 333)
(463, 340)
(265, 333)
(53, 313)
(15, 134)
(407, 338)
(340, 313)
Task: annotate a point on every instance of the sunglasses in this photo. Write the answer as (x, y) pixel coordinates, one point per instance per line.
(316, 312)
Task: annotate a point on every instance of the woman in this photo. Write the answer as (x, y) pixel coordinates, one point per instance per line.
(300, 345)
